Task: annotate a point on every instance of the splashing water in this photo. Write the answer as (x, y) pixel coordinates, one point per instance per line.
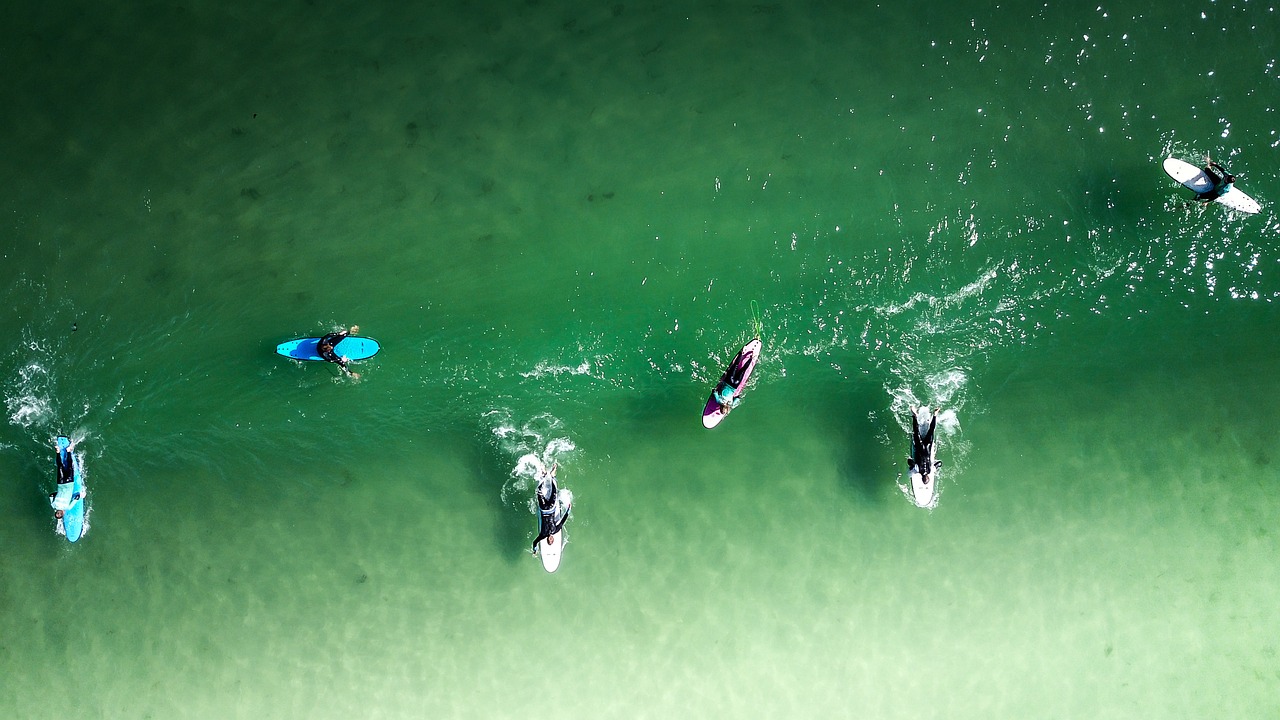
(536, 444)
(944, 390)
(29, 404)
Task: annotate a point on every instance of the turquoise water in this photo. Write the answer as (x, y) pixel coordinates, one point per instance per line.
(555, 218)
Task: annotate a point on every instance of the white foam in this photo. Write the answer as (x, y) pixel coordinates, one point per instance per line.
(536, 444)
(545, 368)
(29, 403)
(27, 410)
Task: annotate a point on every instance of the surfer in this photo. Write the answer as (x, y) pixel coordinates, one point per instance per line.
(922, 448)
(325, 349)
(552, 515)
(1221, 178)
(64, 498)
(726, 393)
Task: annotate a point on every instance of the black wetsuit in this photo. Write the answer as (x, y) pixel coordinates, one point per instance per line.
(922, 448)
(66, 474)
(325, 347)
(66, 471)
(548, 525)
(732, 379)
(733, 376)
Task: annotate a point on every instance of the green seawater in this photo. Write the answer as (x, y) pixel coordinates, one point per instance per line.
(555, 217)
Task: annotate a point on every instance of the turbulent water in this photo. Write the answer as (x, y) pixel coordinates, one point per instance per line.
(561, 221)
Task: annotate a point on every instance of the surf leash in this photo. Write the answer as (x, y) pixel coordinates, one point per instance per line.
(755, 319)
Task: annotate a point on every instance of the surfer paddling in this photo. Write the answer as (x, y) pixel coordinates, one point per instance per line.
(325, 349)
(921, 461)
(66, 495)
(728, 392)
(552, 512)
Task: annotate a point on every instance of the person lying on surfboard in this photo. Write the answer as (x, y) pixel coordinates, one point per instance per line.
(1221, 178)
(922, 448)
(325, 349)
(726, 393)
(64, 498)
(551, 515)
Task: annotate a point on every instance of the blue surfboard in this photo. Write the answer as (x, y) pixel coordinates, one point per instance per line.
(352, 348)
(74, 511)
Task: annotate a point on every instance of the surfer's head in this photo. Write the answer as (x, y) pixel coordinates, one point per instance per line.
(58, 514)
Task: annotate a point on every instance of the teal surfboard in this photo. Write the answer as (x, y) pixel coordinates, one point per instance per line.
(352, 348)
(72, 498)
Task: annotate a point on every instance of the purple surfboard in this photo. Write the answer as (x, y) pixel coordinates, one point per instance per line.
(736, 377)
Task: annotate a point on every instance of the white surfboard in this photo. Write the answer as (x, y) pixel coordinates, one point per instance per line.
(551, 547)
(922, 492)
(1195, 178)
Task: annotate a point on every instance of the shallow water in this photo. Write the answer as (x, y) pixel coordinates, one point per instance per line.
(555, 218)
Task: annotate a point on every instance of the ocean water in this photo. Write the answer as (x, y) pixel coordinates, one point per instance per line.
(555, 217)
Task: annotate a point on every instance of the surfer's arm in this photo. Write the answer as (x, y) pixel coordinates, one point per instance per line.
(563, 519)
(342, 365)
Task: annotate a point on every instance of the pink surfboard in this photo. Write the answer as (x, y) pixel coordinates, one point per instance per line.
(736, 377)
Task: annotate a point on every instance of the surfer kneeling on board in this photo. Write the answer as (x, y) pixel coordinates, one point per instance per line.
(922, 448)
(64, 498)
(1221, 178)
(551, 515)
(325, 349)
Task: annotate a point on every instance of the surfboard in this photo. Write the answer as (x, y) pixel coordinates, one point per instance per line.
(352, 348)
(924, 488)
(550, 548)
(735, 376)
(1196, 179)
(72, 522)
